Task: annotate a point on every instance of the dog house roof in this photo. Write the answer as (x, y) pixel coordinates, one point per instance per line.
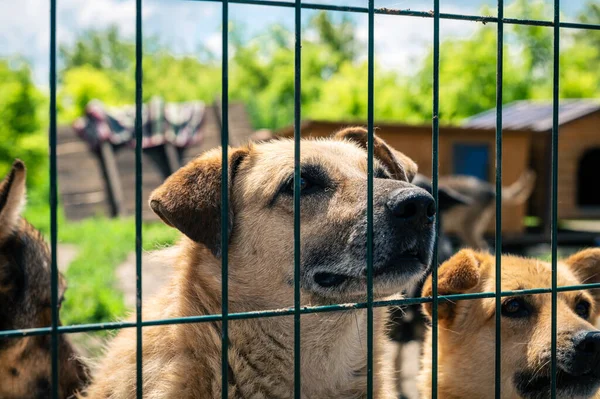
(533, 115)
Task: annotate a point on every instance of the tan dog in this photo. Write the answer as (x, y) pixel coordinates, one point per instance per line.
(25, 363)
(467, 329)
(471, 221)
(184, 361)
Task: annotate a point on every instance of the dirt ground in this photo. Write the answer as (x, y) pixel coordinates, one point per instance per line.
(156, 271)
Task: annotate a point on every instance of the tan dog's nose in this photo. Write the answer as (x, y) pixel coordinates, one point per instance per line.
(586, 358)
(412, 206)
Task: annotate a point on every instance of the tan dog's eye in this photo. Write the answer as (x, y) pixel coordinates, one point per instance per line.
(583, 309)
(515, 308)
(306, 186)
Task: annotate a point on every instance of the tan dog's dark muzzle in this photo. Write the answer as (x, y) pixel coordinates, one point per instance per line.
(411, 207)
(585, 358)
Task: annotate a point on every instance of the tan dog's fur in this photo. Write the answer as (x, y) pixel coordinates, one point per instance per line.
(184, 360)
(467, 327)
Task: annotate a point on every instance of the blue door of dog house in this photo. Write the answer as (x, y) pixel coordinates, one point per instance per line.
(471, 160)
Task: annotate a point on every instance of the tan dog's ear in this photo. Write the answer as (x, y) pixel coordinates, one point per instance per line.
(190, 199)
(12, 199)
(457, 275)
(400, 166)
(586, 266)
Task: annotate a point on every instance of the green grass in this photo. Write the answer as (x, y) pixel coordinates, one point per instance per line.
(93, 295)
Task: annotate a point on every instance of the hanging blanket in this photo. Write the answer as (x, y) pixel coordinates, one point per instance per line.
(175, 123)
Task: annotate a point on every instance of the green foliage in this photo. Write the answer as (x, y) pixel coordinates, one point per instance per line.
(84, 83)
(103, 244)
(100, 50)
(23, 111)
(334, 79)
(590, 15)
(100, 65)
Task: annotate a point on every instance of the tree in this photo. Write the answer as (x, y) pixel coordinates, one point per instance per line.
(590, 15)
(23, 109)
(333, 77)
(99, 49)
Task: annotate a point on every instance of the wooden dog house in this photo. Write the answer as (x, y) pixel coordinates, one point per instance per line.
(578, 152)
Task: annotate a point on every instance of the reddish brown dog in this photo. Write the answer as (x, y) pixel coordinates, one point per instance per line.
(467, 329)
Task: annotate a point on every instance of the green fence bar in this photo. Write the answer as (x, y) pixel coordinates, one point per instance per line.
(411, 13)
(554, 220)
(498, 249)
(78, 328)
(53, 205)
(297, 185)
(225, 203)
(370, 153)
(435, 135)
(138, 196)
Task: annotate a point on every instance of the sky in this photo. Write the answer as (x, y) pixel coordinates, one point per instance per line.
(183, 24)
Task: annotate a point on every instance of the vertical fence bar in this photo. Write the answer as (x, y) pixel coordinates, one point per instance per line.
(53, 203)
(370, 140)
(434, 184)
(297, 177)
(138, 197)
(225, 203)
(554, 220)
(499, 78)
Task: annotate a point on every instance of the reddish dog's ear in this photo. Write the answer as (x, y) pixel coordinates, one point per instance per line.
(399, 165)
(12, 199)
(457, 275)
(190, 199)
(586, 266)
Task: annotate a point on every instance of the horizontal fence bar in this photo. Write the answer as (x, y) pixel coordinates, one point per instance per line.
(79, 328)
(412, 13)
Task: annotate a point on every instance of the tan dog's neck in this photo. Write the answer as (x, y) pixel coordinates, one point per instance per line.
(330, 338)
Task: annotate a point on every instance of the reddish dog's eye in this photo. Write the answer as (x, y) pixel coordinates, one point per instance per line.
(583, 309)
(515, 308)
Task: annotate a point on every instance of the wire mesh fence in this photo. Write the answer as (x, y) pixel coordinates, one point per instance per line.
(297, 310)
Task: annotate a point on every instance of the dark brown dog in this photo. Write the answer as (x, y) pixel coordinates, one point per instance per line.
(25, 364)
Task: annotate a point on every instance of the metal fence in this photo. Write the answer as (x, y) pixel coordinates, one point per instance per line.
(298, 310)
